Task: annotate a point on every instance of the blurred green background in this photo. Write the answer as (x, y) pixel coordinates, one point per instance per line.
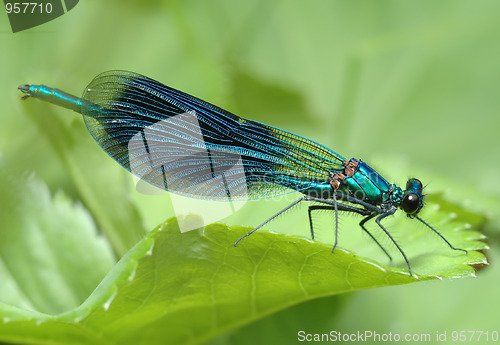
(415, 83)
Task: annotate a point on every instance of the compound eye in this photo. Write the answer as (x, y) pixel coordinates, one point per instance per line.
(410, 203)
(414, 184)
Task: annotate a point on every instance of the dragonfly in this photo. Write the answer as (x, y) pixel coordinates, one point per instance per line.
(187, 146)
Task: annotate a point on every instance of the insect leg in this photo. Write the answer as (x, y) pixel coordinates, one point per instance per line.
(314, 208)
(341, 207)
(379, 218)
(333, 205)
(271, 218)
(362, 225)
(348, 208)
(437, 232)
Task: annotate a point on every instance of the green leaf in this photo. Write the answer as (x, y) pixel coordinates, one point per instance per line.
(51, 257)
(90, 171)
(189, 287)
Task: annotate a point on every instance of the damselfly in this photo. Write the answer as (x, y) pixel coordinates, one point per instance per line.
(187, 146)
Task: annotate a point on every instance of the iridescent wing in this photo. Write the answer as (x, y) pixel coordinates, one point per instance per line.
(187, 146)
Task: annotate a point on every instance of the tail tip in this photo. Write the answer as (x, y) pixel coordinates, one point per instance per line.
(25, 88)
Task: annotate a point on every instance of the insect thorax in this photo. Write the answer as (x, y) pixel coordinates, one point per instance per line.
(360, 181)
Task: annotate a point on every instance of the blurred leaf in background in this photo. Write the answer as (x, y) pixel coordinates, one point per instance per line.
(409, 87)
